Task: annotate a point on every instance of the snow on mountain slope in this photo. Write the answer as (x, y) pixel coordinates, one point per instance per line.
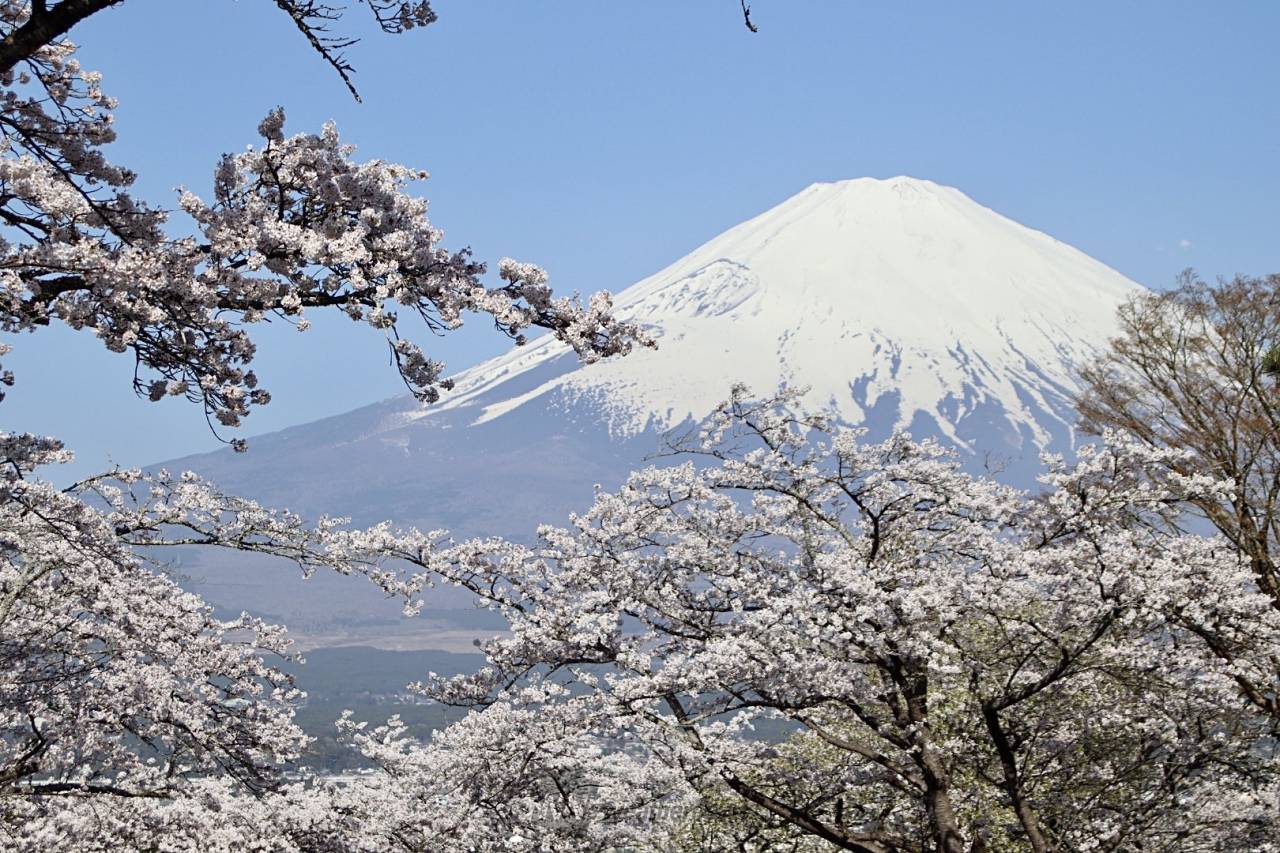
(900, 303)
(899, 295)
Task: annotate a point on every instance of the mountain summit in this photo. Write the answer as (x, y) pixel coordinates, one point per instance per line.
(899, 304)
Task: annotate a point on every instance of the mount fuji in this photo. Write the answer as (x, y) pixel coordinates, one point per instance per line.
(898, 304)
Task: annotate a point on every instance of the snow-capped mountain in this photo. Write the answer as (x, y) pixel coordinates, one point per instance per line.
(897, 302)
(900, 304)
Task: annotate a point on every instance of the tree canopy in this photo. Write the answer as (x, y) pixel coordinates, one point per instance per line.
(1190, 370)
(132, 717)
(795, 637)
(785, 639)
(290, 227)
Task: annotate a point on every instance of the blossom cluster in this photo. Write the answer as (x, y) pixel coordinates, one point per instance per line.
(292, 226)
(943, 662)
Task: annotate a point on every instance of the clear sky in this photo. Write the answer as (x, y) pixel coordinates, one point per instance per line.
(606, 139)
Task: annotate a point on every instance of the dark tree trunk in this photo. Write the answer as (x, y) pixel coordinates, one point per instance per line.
(44, 26)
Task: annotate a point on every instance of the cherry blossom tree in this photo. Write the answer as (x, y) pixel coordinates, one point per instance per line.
(292, 226)
(1194, 368)
(794, 638)
(127, 710)
(130, 716)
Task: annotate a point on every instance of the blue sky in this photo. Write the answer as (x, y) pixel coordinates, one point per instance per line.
(606, 139)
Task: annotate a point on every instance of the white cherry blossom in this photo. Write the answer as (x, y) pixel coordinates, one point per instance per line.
(861, 645)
